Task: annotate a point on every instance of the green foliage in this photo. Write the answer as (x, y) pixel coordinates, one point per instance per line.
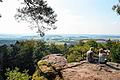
(26, 54)
(39, 51)
(101, 45)
(81, 43)
(1, 1)
(37, 76)
(116, 8)
(109, 44)
(16, 75)
(41, 62)
(56, 49)
(1, 77)
(38, 14)
(92, 43)
(115, 53)
(73, 57)
(76, 53)
(46, 71)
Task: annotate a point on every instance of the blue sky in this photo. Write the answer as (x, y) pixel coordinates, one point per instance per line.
(74, 17)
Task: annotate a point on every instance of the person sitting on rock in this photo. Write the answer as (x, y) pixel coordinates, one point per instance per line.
(102, 56)
(89, 55)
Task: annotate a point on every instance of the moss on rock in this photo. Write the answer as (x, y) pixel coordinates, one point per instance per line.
(47, 71)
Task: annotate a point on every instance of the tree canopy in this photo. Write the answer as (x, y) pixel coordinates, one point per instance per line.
(38, 14)
(116, 8)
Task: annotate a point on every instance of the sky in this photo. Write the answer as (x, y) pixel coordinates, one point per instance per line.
(74, 17)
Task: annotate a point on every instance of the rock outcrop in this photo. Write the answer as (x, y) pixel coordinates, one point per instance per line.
(49, 68)
(88, 71)
(55, 67)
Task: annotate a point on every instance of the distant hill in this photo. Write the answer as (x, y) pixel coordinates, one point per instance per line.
(12, 38)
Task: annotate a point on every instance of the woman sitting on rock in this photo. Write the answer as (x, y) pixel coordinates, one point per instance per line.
(102, 56)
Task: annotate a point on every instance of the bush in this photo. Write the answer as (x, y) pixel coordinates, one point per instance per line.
(37, 76)
(115, 53)
(16, 75)
(75, 53)
(74, 57)
(92, 43)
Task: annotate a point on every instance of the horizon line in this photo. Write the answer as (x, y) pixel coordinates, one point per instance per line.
(33, 34)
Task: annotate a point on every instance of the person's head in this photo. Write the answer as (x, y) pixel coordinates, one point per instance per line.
(104, 48)
(101, 50)
(91, 48)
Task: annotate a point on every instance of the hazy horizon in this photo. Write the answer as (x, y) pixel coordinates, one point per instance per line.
(36, 34)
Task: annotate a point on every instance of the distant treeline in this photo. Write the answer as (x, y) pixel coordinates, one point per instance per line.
(7, 42)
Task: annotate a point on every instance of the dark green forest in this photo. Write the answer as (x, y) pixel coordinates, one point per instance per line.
(21, 58)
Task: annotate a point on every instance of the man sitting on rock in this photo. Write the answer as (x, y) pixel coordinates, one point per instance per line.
(90, 54)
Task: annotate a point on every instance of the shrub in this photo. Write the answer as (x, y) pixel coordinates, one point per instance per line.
(115, 53)
(16, 75)
(75, 54)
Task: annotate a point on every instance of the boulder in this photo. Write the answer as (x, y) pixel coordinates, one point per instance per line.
(88, 71)
(56, 60)
(49, 67)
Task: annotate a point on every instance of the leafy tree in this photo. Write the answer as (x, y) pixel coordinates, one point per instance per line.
(116, 8)
(65, 49)
(115, 53)
(101, 45)
(40, 50)
(75, 54)
(56, 49)
(3, 59)
(92, 43)
(38, 14)
(81, 43)
(16, 75)
(109, 44)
